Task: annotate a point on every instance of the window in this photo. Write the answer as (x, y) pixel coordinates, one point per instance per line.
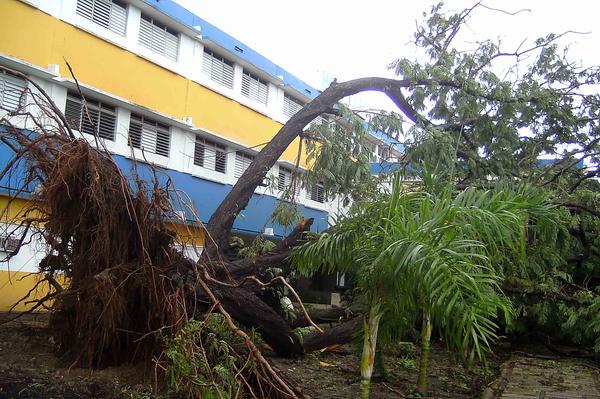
(158, 37)
(254, 88)
(149, 135)
(101, 121)
(383, 152)
(210, 155)
(316, 193)
(319, 120)
(242, 161)
(111, 14)
(284, 179)
(340, 279)
(11, 91)
(291, 105)
(218, 68)
(8, 243)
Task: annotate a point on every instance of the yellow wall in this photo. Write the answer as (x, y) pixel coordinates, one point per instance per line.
(12, 210)
(31, 35)
(15, 285)
(188, 234)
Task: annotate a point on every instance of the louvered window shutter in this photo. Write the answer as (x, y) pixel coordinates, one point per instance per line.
(149, 135)
(210, 155)
(11, 91)
(254, 88)
(291, 106)
(218, 68)
(316, 193)
(109, 14)
(285, 178)
(319, 120)
(242, 161)
(101, 121)
(158, 38)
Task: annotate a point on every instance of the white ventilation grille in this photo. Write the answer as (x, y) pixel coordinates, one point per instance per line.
(242, 161)
(158, 37)
(320, 120)
(149, 135)
(254, 88)
(291, 106)
(109, 14)
(11, 91)
(316, 193)
(101, 121)
(210, 155)
(284, 179)
(218, 68)
(8, 244)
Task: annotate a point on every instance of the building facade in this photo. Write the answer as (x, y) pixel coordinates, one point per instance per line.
(161, 84)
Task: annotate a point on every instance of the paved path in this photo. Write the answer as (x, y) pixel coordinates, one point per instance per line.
(528, 378)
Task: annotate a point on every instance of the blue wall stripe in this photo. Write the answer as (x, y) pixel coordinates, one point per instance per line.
(205, 195)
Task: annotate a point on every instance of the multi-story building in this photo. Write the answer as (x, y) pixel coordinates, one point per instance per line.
(161, 85)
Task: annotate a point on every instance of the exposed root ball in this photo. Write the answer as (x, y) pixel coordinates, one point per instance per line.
(111, 243)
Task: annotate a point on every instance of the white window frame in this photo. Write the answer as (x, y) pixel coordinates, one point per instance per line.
(319, 120)
(110, 14)
(218, 68)
(8, 243)
(384, 153)
(103, 116)
(284, 178)
(316, 193)
(158, 37)
(242, 161)
(291, 105)
(12, 91)
(210, 155)
(149, 135)
(255, 88)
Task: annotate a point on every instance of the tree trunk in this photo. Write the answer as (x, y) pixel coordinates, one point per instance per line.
(248, 310)
(338, 335)
(241, 268)
(329, 315)
(371, 327)
(222, 219)
(424, 361)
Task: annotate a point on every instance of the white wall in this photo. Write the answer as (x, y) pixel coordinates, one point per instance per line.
(29, 256)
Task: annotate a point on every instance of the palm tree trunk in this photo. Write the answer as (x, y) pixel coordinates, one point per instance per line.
(371, 326)
(424, 361)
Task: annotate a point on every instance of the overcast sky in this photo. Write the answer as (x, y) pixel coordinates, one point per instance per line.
(349, 39)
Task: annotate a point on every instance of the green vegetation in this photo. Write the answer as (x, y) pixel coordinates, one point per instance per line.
(434, 256)
(494, 231)
(201, 363)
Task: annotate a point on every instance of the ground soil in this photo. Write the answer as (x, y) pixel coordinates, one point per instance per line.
(336, 375)
(29, 368)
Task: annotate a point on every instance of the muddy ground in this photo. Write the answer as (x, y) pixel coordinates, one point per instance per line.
(29, 368)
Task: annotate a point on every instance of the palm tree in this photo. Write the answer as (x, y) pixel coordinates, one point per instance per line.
(434, 255)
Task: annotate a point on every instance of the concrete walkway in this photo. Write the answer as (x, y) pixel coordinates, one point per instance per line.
(528, 378)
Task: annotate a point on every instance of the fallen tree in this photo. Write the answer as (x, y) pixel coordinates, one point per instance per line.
(109, 234)
(124, 283)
